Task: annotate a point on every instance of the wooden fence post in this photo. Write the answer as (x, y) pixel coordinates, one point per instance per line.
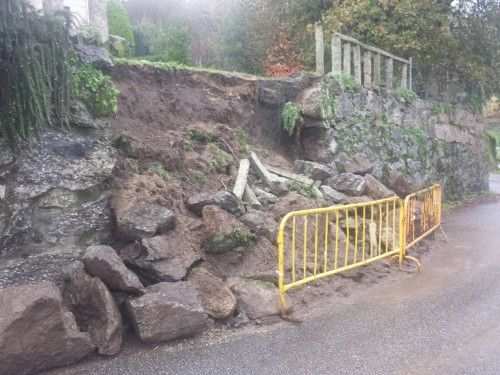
(376, 70)
(336, 54)
(367, 69)
(320, 50)
(347, 58)
(388, 73)
(357, 63)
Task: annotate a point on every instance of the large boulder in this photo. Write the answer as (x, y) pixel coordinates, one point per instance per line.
(95, 55)
(216, 298)
(318, 144)
(257, 261)
(376, 189)
(36, 332)
(223, 231)
(167, 311)
(224, 199)
(315, 171)
(103, 262)
(165, 258)
(256, 299)
(348, 183)
(94, 309)
(311, 105)
(137, 219)
(400, 184)
(357, 164)
(262, 224)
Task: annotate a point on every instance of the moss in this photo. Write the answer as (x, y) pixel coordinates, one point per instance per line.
(303, 189)
(201, 136)
(290, 116)
(442, 107)
(346, 81)
(405, 95)
(160, 171)
(201, 178)
(222, 243)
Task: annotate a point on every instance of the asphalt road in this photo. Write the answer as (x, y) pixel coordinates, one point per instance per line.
(445, 320)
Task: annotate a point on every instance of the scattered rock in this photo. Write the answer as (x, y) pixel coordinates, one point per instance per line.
(138, 219)
(400, 184)
(172, 257)
(316, 171)
(36, 332)
(256, 299)
(348, 183)
(80, 116)
(332, 194)
(216, 298)
(224, 199)
(103, 262)
(262, 224)
(167, 311)
(377, 190)
(223, 231)
(291, 202)
(279, 188)
(358, 164)
(2, 192)
(265, 197)
(94, 309)
(239, 320)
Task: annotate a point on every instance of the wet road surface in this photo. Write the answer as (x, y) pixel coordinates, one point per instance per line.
(445, 320)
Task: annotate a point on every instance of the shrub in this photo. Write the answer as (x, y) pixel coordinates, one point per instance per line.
(290, 117)
(160, 171)
(119, 23)
(96, 91)
(201, 136)
(347, 81)
(405, 95)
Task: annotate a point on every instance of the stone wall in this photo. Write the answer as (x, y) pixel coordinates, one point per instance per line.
(427, 141)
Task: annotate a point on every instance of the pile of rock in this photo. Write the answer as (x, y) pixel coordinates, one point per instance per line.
(174, 274)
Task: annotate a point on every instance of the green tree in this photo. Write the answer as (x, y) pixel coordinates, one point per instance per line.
(119, 23)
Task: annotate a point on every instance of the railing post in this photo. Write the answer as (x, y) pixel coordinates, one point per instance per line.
(404, 75)
(347, 58)
(388, 73)
(376, 70)
(357, 63)
(367, 69)
(320, 50)
(411, 74)
(336, 54)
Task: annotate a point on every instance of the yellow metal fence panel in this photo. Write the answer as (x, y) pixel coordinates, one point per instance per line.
(317, 243)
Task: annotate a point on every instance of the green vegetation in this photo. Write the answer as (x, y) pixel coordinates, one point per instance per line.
(201, 136)
(476, 103)
(96, 91)
(442, 107)
(222, 243)
(334, 106)
(160, 171)
(290, 117)
(405, 95)
(201, 178)
(346, 81)
(35, 75)
(220, 158)
(119, 24)
(303, 189)
(491, 148)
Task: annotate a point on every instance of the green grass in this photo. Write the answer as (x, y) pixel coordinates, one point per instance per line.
(175, 66)
(160, 171)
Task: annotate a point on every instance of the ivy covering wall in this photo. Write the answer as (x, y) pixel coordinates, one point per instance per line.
(35, 74)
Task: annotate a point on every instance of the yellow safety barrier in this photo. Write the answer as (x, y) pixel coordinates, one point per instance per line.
(422, 217)
(320, 242)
